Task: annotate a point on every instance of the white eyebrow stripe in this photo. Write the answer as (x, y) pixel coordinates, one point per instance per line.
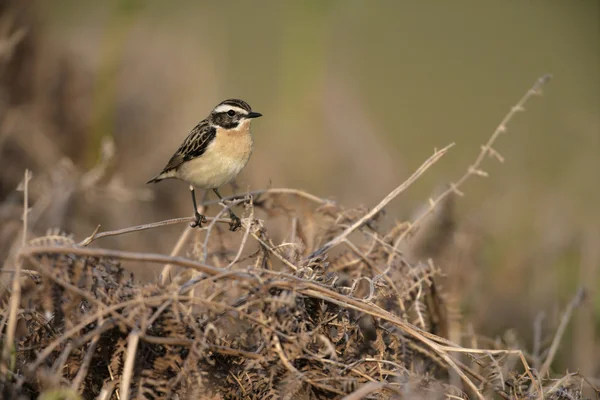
(227, 107)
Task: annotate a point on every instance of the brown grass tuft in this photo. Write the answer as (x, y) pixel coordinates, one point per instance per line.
(311, 301)
(334, 310)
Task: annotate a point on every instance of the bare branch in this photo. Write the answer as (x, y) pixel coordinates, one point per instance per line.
(132, 344)
(95, 235)
(564, 321)
(386, 200)
(474, 169)
(15, 297)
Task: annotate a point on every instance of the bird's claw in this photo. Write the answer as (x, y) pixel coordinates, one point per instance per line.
(200, 219)
(235, 223)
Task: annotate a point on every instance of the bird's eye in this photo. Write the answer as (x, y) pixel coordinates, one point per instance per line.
(231, 113)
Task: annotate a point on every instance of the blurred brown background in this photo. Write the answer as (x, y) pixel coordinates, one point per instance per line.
(355, 95)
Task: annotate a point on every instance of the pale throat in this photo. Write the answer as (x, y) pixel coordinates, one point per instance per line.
(235, 144)
(243, 128)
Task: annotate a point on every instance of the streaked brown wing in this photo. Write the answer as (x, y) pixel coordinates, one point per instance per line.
(193, 146)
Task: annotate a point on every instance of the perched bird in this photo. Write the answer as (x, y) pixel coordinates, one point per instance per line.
(214, 153)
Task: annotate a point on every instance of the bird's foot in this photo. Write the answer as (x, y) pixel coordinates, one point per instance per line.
(235, 223)
(200, 219)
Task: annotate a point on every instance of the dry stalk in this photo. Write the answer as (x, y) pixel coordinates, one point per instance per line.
(248, 225)
(107, 391)
(278, 191)
(183, 238)
(386, 200)
(274, 251)
(123, 255)
(15, 297)
(96, 235)
(209, 229)
(475, 168)
(132, 344)
(83, 370)
(364, 390)
(564, 321)
(165, 274)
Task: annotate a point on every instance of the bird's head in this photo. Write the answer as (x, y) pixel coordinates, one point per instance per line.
(229, 114)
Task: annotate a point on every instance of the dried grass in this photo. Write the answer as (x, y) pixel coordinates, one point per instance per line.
(310, 301)
(335, 310)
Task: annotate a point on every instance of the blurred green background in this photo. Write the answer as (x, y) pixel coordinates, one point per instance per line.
(355, 95)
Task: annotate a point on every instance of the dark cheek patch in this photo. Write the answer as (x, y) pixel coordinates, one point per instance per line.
(225, 121)
(230, 124)
(219, 119)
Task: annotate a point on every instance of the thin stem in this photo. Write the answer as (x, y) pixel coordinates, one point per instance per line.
(132, 344)
(15, 296)
(474, 169)
(95, 235)
(564, 321)
(386, 200)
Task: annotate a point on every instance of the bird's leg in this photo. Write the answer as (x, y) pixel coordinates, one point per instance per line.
(235, 223)
(200, 219)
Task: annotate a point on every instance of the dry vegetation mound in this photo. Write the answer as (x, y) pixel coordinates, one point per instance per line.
(336, 308)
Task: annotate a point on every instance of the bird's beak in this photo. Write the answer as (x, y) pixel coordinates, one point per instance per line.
(253, 115)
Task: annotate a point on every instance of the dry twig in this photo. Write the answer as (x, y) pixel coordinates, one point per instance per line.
(15, 297)
(386, 200)
(475, 168)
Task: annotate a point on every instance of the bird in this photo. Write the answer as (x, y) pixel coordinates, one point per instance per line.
(214, 153)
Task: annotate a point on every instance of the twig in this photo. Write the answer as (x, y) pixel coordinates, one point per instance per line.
(286, 362)
(561, 381)
(15, 296)
(291, 192)
(474, 169)
(60, 361)
(364, 390)
(391, 196)
(519, 353)
(82, 373)
(166, 271)
(209, 229)
(249, 225)
(497, 367)
(123, 255)
(537, 339)
(564, 321)
(132, 344)
(95, 235)
(107, 390)
(274, 252)
(29, 272)
(26, 180)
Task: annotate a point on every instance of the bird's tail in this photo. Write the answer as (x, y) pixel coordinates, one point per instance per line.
(157, 178)
(161, 176)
